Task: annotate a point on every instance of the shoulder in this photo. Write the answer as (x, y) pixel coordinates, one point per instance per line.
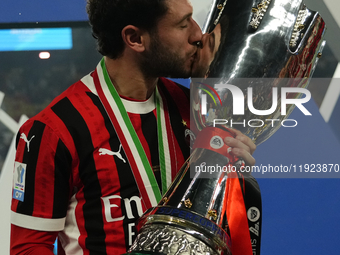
(54, 118)
(176, 89)
(77, 90)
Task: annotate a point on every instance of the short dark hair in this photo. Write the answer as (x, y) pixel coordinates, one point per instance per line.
(109, 17)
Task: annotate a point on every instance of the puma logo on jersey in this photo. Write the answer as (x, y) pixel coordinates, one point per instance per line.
(103, 151)
(24, 137)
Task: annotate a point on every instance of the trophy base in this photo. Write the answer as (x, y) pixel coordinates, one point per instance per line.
(161, 239)
(143, 253)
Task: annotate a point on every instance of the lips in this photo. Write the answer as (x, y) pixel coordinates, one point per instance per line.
(195, 58)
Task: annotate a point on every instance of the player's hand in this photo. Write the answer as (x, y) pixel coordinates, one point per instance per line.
(242, 147)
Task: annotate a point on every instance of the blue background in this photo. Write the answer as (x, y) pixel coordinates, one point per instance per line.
(301, 216)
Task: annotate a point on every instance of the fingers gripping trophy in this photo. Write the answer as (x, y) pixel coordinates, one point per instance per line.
(251, 51)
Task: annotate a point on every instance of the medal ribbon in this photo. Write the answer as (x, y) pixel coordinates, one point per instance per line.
(234, 203)
(131, 144)
(237, 218)
(163, 144)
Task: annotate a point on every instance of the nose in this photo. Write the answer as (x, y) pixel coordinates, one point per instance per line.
(196, 34)
(204, 40)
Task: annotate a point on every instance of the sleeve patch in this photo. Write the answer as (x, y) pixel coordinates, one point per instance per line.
(19, 181)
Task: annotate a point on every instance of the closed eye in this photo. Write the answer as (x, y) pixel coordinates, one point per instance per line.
(212, 42)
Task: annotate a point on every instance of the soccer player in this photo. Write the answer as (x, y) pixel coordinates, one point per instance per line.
(107, 148)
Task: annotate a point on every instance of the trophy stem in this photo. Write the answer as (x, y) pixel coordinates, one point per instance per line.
(191, 218)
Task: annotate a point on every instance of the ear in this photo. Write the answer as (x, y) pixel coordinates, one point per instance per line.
(134, 38)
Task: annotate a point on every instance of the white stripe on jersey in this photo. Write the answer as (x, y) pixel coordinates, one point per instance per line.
(37, 223)
(89, 83)
(70, 235)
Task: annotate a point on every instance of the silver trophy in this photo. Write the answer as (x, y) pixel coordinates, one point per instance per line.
(265, 46)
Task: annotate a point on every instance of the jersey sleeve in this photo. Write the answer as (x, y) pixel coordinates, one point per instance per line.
(31, 242)
(41, 178)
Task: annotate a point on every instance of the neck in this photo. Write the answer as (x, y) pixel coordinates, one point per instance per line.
(128, 79)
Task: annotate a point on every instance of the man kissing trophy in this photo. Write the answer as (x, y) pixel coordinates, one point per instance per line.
(251, 48)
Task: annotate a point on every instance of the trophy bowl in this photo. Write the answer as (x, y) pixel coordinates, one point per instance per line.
(269, 50)
(261, 51)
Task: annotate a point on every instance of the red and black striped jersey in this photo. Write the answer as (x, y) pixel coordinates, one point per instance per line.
(71, 172)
